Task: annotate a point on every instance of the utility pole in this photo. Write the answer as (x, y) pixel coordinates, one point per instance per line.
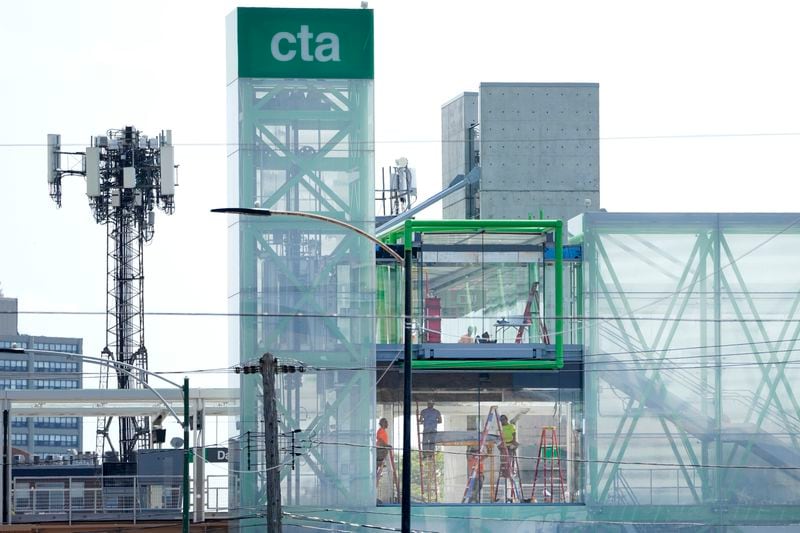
(268, 368)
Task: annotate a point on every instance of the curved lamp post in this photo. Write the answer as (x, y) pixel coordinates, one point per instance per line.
(258, 211)
(405, 261)
(132, 370)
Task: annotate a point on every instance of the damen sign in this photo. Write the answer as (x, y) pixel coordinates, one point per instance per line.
(304, 43)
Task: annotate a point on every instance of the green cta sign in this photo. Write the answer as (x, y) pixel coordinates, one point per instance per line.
(305, 43)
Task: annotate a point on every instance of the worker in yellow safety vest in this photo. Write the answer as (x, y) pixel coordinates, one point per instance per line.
(509, 439)
(509, 433)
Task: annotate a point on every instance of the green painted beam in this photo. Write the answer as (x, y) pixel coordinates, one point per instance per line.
(517, 226)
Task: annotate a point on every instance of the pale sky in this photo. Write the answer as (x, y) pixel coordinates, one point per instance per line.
(698, 112)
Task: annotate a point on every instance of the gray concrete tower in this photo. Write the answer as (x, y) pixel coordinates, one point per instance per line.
(537, 146)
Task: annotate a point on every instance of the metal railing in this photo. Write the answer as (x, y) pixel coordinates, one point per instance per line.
(217, 493)
(43, 499)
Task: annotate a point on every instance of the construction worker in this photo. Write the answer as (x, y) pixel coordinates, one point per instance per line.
(382, 441)
(509, 433)
(430, 419)
(475, 462)
(468, 337)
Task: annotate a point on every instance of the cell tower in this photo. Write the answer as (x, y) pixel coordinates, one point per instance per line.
(127, 176)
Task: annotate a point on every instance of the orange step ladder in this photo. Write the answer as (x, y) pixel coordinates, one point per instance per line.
(533, 302)
(548, 461)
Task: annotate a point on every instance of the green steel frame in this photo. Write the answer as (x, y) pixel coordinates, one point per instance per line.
(406, 233)
(709, 281)
(293, 135)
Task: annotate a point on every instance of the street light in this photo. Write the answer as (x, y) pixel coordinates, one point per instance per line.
(127, 369)
(257, 211)
(405, 261)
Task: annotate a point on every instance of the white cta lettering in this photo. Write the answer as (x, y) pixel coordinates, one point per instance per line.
(276, 46)
(327, 47)
(323, 48)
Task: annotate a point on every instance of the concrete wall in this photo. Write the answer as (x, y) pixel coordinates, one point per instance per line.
(539, 149)
(8, 316)
(457, 116)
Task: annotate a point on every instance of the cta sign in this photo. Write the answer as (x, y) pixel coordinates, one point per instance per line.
(304, 43)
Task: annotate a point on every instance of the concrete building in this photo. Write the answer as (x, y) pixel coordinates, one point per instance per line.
(37, 369)
(536, 145)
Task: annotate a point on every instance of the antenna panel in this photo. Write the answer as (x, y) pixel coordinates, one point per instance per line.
(129, 177)
(92, 171)
(167, 170)
(53, 156)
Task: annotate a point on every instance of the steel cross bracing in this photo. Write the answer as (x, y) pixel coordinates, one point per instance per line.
(305, 145)
(125, 311)
(691, 402)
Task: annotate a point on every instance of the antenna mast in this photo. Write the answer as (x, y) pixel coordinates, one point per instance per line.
(127, 176)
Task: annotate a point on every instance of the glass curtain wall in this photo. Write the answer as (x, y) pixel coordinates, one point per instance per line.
(546, 422)
(303, 290)
(481, 288)
(691, 365)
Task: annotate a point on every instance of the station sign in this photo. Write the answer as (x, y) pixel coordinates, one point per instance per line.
(217, 455)
(305, 43)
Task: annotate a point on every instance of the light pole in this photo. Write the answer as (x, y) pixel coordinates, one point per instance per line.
(258, 211)
(405, 262)
(132, 371)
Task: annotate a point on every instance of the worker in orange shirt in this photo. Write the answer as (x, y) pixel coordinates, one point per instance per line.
(382, 441)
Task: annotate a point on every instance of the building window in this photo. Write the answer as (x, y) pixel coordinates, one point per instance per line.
(10, 384)
(55, 347)
(55, 440)
(55, 366)
(55, 383)
(19, 422)
(13, 344)
(13, 365)
(56, 422)
(19, 439)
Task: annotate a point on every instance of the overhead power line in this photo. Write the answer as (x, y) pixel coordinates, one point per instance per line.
(710, 135)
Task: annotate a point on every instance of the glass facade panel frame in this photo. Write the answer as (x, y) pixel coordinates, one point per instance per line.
(690, 333)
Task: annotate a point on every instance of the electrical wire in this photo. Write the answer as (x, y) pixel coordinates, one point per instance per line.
(338, 522)
(533, 519)
(602, 461)
(458, 141)
(586, 359)
(400, 317)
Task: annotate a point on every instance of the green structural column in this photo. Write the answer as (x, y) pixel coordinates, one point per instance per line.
(186, 456)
